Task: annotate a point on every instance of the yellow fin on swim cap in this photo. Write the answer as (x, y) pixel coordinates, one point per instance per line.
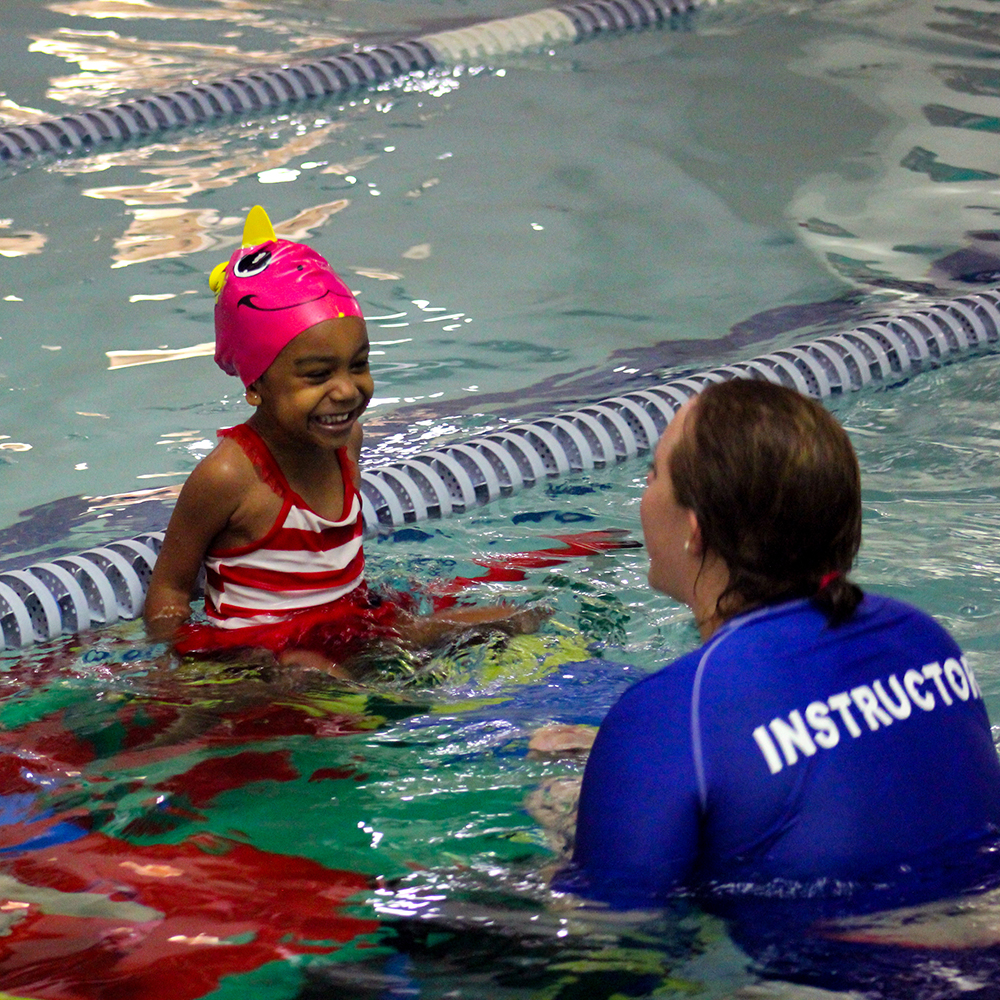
(218, 277)
(257, 229)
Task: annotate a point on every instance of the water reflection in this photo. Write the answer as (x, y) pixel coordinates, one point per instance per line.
(111, 63)
(917, 211)
(239, 12)
(190, 166)
(18, 244)
(13, 113)
(159, 233)
(128, 359)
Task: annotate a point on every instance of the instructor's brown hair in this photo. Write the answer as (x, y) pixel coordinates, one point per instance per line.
(775, 485)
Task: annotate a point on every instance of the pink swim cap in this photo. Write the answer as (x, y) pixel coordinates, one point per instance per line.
(269, 292)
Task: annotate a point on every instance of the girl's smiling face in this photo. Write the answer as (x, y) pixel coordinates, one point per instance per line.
(317, 387)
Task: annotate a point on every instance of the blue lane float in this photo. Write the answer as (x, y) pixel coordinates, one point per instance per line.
(105, 584)
(146, 118)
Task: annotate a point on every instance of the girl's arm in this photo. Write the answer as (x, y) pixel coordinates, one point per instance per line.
(204, 508)
(427, 630)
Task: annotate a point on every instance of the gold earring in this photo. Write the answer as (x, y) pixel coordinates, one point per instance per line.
(687, 545)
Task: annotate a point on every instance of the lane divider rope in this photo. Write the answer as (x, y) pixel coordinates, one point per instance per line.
(147, 117)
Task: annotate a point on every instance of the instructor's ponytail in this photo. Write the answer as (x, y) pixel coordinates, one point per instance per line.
(837, 597)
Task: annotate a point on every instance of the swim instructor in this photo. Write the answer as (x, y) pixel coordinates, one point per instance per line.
(820, 737)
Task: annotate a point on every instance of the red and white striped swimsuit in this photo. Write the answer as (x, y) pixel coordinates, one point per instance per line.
(304, 561)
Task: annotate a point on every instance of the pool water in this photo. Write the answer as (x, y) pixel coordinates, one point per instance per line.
(549, 229)
(521, 236)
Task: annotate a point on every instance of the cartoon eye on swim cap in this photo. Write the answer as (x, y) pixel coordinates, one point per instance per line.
(252, 263)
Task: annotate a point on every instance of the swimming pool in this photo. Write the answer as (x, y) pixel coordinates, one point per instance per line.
(524, 237)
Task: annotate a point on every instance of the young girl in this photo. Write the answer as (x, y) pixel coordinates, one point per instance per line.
(274, 513)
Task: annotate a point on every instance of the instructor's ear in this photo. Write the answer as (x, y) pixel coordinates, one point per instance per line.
(253, 396)
(694, 546)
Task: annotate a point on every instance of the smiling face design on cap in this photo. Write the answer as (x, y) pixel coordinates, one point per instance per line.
(268, 293)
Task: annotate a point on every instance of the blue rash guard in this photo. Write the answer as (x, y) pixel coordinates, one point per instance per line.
(785, 751)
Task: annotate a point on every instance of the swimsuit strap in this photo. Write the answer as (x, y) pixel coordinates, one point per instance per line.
(260, 456)
(256, 449)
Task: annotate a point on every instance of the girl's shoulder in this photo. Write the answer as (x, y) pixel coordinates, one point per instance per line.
(226, 470)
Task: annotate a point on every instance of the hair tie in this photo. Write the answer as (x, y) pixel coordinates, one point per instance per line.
(827, 579)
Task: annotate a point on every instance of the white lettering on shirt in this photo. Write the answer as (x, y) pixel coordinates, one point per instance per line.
(768, 749)
(842, 703)
(932, 671)
(957, 679)
(974, 690)
(818, 716)
(901, 707)
(792, 738)
(783, 740)
(913, 679)
(871, 711)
